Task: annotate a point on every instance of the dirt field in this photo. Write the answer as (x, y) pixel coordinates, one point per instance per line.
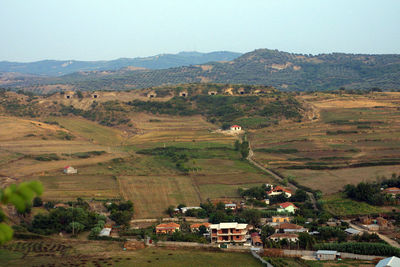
(350, 130)
(331, 181)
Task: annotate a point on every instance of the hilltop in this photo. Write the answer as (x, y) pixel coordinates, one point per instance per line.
(282, 70)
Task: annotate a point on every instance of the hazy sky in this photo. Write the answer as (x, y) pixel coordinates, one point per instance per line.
(108, 29)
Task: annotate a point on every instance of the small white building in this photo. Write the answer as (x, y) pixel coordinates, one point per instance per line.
(230, 206)
(235, 128)
(105, 232)
(325, 255)
(389, 262)
(185, 209)
(70, 170)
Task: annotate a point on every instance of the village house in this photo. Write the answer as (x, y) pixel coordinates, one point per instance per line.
(151, 94)
(167, 228)
(278, 190)
(185, 209)
(105, 232)
(183, 93)
(389, 262)
(326, 255)
(61, 205)
(352, 231)
(280, 219)
(228, 232)
(195, 227)
(280, 236)
(365, 220)
(288, 207)
(235, 128)
(230, 206)
(256, 240)
(70, 170)
(372, 227)
(290, 228)
(212, 93)
(394, 191)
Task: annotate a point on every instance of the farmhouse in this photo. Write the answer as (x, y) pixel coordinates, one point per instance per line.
(183, 93)
(228, 232)
(256, 240)
(151, 94)
(241, 91)
(235, 128)
(352, 231)
(212, 93)
(69, 94)
(167, 228)
(105, 232)
(287, 207)
(389, 262)
(279, 190)
(230, 206)
(325, 255)
(394, 191)
(280, 219)
(290, 228)
(61, 205)
(185, 209)
(195, 227)
(279, 236)
(70, 170)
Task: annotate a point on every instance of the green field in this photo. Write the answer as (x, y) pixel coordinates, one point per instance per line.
(92, 253)
(338, 205)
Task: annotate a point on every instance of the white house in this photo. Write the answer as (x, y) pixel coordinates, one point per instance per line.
(70, 170)
(230, 206)
(389, 262)
(105, 232)
(235, 128)
(280, 236)
(185, 209)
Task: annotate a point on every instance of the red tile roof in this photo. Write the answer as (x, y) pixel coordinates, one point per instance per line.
(280, 188)
(256, 239)
(168, 225)
(235, 126)
(197, 225)
(283, 235)
(392, 190)
(288, 226)
(287, 204)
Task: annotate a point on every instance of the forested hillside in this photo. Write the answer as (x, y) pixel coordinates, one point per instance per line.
(284, 71)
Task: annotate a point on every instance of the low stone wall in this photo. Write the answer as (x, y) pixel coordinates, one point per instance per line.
(309, 253)
(345, 255)
(168, 219)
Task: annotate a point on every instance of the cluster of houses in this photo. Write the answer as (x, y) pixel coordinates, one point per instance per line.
(228, 91)
(375, 224)
(222, 233)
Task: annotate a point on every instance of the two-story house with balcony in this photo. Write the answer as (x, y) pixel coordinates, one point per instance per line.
(228, 232)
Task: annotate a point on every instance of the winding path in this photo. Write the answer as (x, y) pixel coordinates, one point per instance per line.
(383, 237)
(277, 176)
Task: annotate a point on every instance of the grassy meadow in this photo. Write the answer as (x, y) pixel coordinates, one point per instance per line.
(103, 253)
(151, 182)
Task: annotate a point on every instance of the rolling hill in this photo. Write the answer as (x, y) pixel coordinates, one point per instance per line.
(282, 70)
(163, 61)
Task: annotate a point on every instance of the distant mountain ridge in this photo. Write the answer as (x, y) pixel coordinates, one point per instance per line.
(162, 61)
(282, 70)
